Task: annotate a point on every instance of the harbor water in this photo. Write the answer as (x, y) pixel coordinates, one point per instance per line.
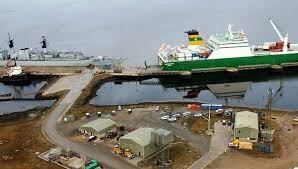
(135, 29)
(248, 92)
(24, 95)
(22, 91)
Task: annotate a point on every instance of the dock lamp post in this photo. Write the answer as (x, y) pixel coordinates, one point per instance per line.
(209, 117)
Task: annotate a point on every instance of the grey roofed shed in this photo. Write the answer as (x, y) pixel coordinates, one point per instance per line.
(98, 126)
(246, 125)
(139, 142)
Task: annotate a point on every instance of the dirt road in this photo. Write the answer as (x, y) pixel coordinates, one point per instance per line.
(218, 145)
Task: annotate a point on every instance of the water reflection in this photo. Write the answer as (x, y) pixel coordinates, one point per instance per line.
(23, 92)
(249, 90)
(7, 107)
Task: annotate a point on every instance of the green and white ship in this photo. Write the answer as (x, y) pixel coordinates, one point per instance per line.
(226, 50)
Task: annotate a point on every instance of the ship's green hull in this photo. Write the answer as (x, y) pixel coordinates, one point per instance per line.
(230, 62)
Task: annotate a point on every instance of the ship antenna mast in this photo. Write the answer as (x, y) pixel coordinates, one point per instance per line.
(10, 42)
(230, 31)
(44, 43)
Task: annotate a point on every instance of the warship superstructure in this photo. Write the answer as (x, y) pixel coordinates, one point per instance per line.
(46, 57)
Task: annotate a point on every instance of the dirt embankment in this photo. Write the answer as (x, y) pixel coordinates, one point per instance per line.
(20, 142)
(22, 139)
(2, 73)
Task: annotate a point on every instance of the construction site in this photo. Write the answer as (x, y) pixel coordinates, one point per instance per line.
(128, 131)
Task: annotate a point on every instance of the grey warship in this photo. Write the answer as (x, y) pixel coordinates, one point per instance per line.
(45, 57)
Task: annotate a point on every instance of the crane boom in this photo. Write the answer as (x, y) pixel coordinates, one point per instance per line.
(275, 28)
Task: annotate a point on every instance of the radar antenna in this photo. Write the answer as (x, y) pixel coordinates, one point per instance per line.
(10, 42)
(231, 36)
(44, 42)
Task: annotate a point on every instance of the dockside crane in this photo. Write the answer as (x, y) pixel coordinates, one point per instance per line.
(283, 39)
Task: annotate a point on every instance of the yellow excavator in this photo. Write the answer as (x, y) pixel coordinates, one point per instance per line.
(129, 154)
(117, 150)
(234, 143)
(295, 121)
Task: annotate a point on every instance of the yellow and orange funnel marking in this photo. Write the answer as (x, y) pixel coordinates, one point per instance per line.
(194, 38)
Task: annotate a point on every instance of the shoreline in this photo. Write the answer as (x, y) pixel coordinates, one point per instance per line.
(15, 116)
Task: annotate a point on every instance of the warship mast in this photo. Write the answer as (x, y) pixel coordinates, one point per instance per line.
(11, 44)
(44, 43)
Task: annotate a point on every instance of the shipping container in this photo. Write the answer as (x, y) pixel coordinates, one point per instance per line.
(212, 106)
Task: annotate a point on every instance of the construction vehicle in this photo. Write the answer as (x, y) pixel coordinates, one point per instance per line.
(295, 121)
(120, 127)
(245, 145)
(129, 154)
(93, 164)
(111, 134)
(117, 150)
(234, 143)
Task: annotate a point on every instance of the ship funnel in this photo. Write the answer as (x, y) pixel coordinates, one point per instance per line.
(194, 38)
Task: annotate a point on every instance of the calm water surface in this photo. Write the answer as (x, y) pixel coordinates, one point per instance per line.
(23, 92)
(251, 92)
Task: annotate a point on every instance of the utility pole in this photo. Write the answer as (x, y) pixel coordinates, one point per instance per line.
(268, 115)
(269, 106)
(209, 117)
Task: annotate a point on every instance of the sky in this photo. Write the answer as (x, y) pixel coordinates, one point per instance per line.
(135, 29)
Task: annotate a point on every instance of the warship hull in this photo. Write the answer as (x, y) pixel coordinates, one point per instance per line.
(106, 63)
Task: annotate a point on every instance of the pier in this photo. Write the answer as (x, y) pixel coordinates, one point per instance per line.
(143, 72)
(153, 71)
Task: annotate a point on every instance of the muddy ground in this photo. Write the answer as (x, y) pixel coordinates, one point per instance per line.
(20, 141)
